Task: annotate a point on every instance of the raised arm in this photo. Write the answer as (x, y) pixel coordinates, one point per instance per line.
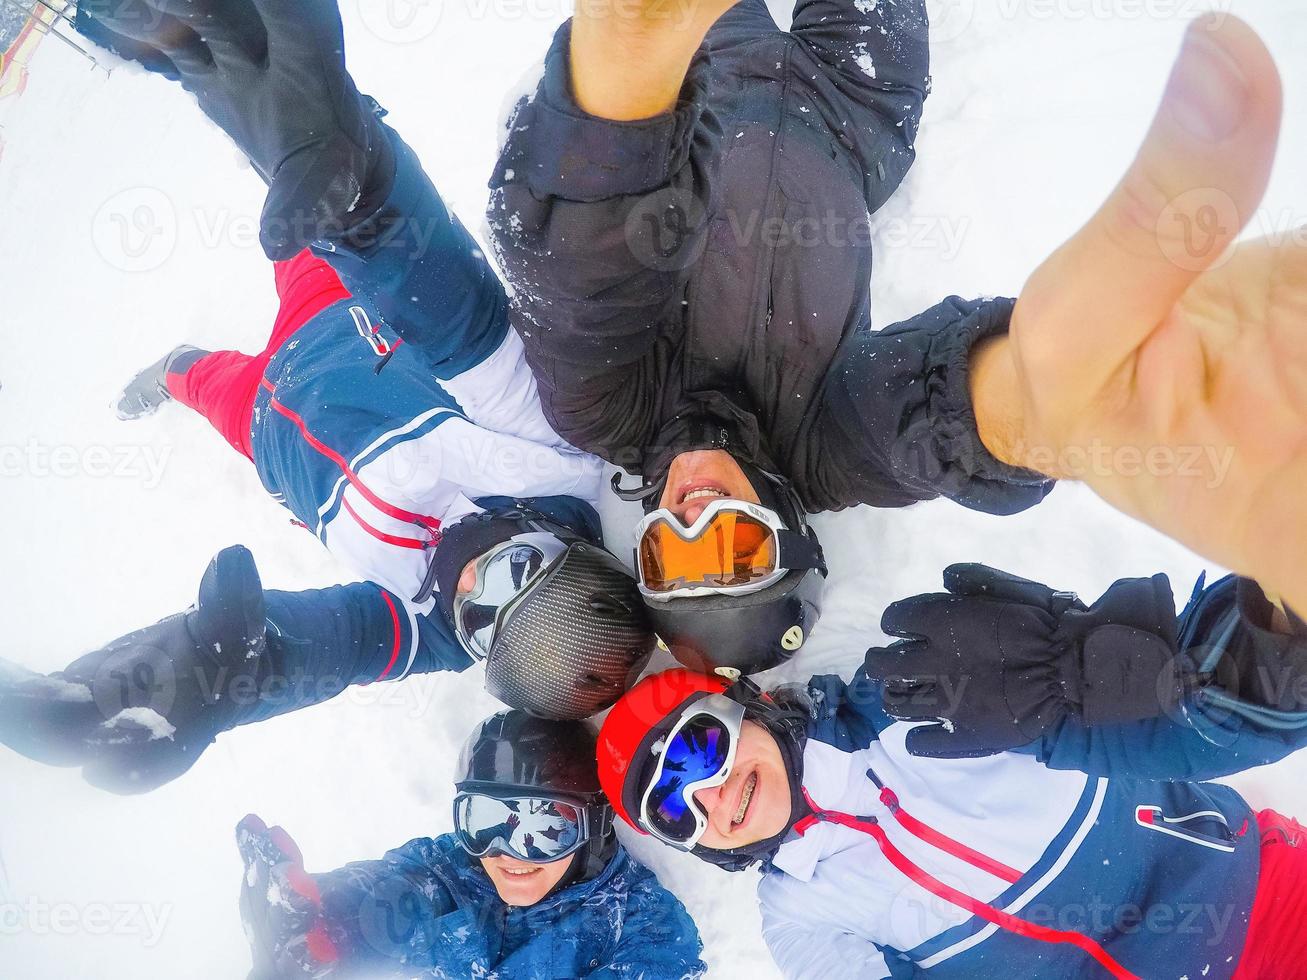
(272, 75)
(141, 711)
(595, 219)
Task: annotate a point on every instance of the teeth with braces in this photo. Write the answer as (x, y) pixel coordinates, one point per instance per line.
(749, 786)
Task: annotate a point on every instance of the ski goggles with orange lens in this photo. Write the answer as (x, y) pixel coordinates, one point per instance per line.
(733, 548)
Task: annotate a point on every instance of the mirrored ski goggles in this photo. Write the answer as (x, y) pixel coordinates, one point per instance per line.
(697, 754)
(505, 576)
(732, 548)
(529, 828)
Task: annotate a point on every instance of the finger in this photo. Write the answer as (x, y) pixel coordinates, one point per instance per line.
(231, 29)
(295, 26)
(975, 581)
(251, 825)
(1198, 177)
(45, 718)
(908, 618)
(145, 23)
(291, 869)
(129, 757)
(895, 660)
(908, 701)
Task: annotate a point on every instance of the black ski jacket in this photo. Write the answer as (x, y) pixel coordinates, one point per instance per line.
(702, 278)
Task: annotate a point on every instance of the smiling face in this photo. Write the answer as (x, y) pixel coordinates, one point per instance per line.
(697, 479)
(754, 802)
(520, 883)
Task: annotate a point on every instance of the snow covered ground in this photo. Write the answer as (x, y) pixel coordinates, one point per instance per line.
(128, 226)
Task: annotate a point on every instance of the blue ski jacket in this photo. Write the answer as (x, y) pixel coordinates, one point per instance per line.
(428, 910)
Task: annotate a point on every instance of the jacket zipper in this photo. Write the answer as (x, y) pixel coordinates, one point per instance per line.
(870, 826)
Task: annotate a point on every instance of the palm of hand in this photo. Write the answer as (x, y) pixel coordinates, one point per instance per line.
(1201, 431)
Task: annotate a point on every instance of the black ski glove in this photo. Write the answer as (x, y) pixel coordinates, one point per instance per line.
(1002, 660)
(281, 907)
(139, 712)
(271, 74)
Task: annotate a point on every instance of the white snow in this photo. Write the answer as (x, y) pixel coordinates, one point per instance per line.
(1037, 109)
(156, 724)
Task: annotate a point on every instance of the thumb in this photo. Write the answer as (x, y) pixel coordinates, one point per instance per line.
(1198, 177)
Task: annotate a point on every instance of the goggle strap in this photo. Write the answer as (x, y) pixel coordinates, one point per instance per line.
(799, 551)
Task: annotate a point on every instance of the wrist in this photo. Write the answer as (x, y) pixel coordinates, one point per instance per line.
(996, 402)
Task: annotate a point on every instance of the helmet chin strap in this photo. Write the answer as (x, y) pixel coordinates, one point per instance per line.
(637, 494)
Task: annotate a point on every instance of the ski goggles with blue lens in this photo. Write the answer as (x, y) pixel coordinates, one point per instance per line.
(505, 576)
(534, 829)
(698, 753)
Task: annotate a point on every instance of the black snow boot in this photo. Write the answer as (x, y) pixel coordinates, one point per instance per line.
(149, 389)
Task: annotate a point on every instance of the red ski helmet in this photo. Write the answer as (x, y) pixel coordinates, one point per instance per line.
(636, 722)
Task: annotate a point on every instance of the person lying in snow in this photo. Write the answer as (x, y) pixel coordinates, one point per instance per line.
(531, 883)
(1092, 851)
(681, 209)
(393, 414)
(952, 402)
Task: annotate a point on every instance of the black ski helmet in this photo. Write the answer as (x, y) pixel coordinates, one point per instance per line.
(514, 753)
(753, 632)
(577, 640)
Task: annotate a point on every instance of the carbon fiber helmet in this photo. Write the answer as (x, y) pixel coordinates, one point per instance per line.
(574, 638)
(514, 753)
(750, 633)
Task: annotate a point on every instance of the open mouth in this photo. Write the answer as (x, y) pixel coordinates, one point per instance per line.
(746, 797)
(702, 493)
(524, 873)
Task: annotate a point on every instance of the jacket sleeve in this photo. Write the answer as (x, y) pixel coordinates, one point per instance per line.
(397, 918)
(322, 641)
(658, 939)
(809, 950)
(870, 63)
(419, 269)
(594, 223)
(897, 425)
(1250, 711)
(424, 275)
